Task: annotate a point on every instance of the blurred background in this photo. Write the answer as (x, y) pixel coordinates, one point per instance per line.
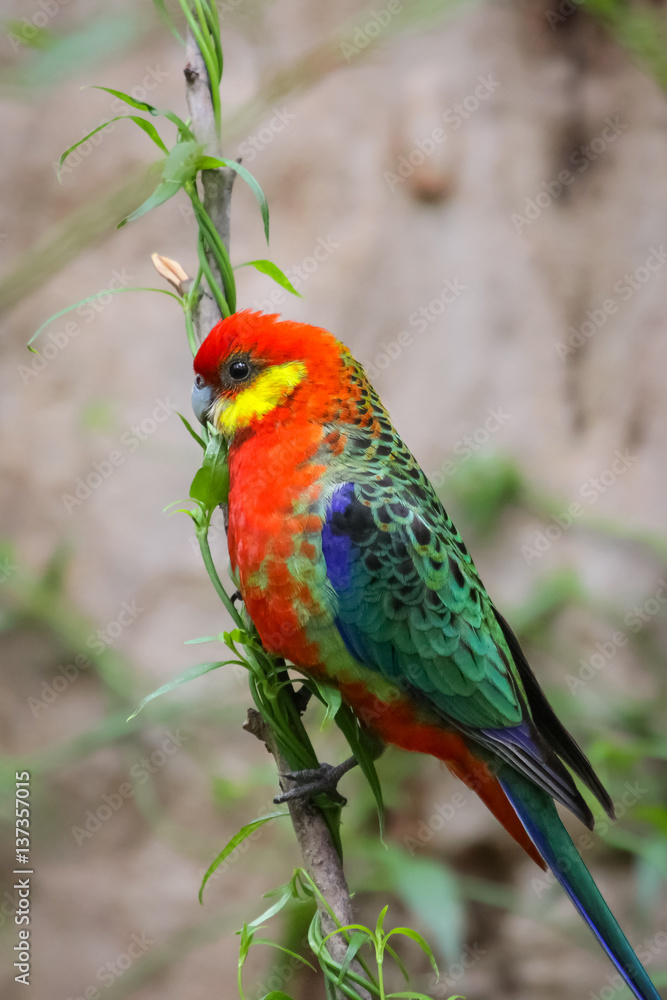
(473, 197)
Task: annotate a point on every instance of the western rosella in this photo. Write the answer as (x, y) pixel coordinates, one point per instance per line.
(351, 569)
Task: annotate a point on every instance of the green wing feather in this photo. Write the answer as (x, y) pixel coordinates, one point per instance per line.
(413, 605)
(409, 603)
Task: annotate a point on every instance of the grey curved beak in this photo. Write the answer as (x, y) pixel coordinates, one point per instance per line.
(202, 400)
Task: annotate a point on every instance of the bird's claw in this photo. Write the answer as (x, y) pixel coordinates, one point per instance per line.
(313, 781)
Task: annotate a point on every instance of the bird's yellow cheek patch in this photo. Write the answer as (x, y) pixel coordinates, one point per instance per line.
(268, 390)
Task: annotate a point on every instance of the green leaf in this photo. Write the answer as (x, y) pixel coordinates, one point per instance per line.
(211, 482)
(246, 940)
(411, 995)
(273, 271)
(332, 698)
(360, 746)
(211, 163)
(237, 839)
(356, 941)
(163, 192)
(182, 162)
(280, 947)
(418, 939)
(166, 18)
(188, 675)
(192, 431)
(398, 960)
(272, 910)
(143, 106)
(178, 167)
(276, 995)
(379, 926)
(147, 127)
(93, 298)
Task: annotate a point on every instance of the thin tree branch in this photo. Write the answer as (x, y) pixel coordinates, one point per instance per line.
(321, 859)
(216, 184)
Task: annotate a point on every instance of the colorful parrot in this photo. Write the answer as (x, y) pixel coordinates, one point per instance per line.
(351, 569)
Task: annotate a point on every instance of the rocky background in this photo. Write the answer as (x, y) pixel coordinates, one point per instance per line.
(473, 197)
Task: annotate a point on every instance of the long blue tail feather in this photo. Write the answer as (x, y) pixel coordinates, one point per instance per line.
(538, 814)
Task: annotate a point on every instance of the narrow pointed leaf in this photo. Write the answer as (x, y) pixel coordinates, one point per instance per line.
(200, 441)
(163, 192)
(166, 18)
(332, 699)
(212, 163)
(188, 675)
(398, 960)
(178, 167)
(237, 839)
(273, 271)
(280, 947)
(411, 995)
(358, 743)
(418, 939)
(151, 110)
(148, 128)
(356, 941)
(272, 910)
(93, 298)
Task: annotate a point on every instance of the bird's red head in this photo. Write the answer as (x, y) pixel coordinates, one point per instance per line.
(251, 364)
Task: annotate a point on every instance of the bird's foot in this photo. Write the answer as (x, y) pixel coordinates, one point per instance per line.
(312, 781)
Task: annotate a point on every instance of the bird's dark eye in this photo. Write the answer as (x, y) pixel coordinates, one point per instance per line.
(239, 370)
(200, 381)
